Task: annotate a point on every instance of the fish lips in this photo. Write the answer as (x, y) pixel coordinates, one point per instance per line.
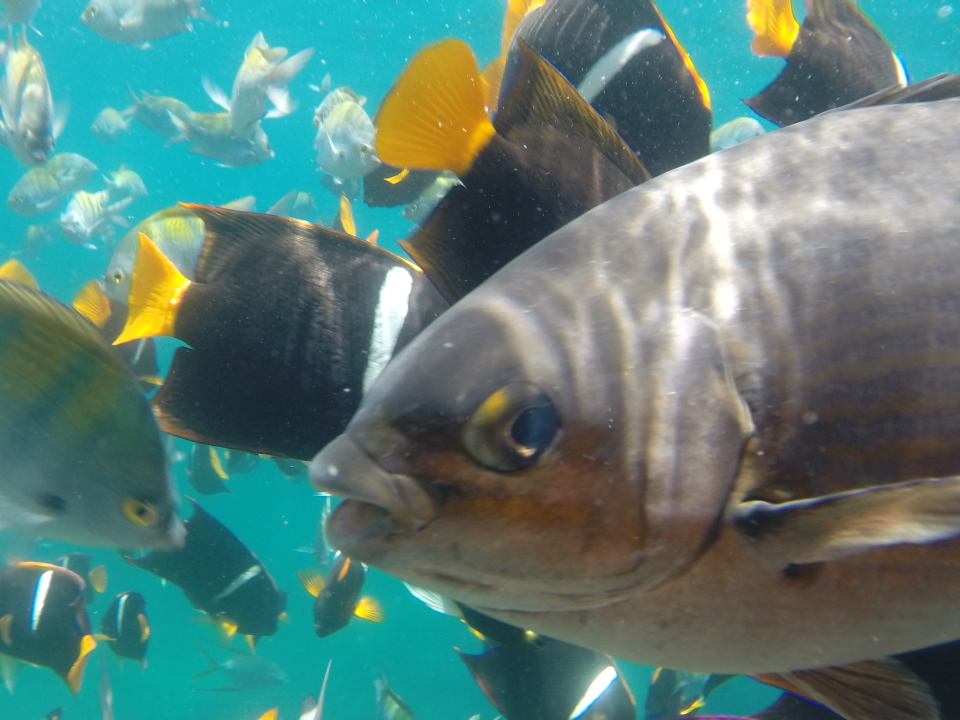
(376, 503)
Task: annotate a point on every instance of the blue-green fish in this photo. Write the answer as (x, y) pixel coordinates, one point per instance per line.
(81, 459)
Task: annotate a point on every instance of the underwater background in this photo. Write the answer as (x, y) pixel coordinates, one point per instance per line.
(363, 44)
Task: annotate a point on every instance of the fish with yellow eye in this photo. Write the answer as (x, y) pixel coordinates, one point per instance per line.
(81, 457)
(338, 597)
(220, 576)
(835, 57)
(125, 627)
(546, 158)
(43, 620)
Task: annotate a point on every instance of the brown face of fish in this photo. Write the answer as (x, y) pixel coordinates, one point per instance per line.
(533, 472)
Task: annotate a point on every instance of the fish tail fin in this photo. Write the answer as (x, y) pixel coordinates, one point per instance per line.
(774, 25)
(75, 676)
(369, 609)
(284, 73)
(214, 665)
(16, 271)
(156, 291)
(436, 117)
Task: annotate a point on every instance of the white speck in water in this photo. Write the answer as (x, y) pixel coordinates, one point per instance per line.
(448, 345)
(944, 11)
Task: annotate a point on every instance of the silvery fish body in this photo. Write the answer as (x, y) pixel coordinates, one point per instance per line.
(136, 22)
(709, 425)
(110, 125)
(212, 136)
(345, 141)
(29, 127)
(88, 217)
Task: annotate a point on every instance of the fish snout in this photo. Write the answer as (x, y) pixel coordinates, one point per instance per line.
(376, 502)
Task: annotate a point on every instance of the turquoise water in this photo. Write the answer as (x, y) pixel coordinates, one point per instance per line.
(364, 45)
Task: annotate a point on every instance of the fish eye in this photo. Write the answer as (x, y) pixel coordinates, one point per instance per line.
(512, 428)
(118, 276)
(140, 513)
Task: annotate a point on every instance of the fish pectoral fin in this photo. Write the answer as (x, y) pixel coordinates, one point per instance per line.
(868, 690)
(312, 581)
(132, 18)
(98, 578)
(849, 523)
(215, 93)
(10, 668)
(369, 609)
(435, 117)
(92, 303)
(17, 272)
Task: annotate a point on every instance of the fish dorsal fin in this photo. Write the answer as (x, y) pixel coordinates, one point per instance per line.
(436, 117)
(868, 690)
(98, 578)
(75, 676)
(16, 271)
(45, 310)
(92, 303)
(774, 25)
(535, 94)
(369, 609)
(156, 291)
(312, 581)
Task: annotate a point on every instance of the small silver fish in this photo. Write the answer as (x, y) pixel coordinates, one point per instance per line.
(125, 183)
(36, 193)
(111, 124)
(244, 672)
(212, 136)
(154, 112)
(73, 171)
(345, 141)
(735, 132)
(265, 74)
(295, 204)
(137, 22)
(88, 217)
(29, 123)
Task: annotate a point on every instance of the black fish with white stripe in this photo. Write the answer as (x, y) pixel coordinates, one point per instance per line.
(303, 317)
(220, 576)
(126, 628)
(43, 619)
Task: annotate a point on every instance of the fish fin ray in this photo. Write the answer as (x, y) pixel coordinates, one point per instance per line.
(369, 609)
(312, 581)
(17, 272)
(215, 93)
(92, 303)
(774, 25)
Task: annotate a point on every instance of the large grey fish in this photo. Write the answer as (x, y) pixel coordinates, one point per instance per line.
(709, 425)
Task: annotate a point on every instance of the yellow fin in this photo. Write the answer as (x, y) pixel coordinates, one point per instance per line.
(9, 668)
(517, 10)
(5, 622)
(346, 217)
(155, 295)
(688, 61)
(399, 177)
(369, 609)
(270, 714)
(92, 303)
(144, 627)
(435, 117)
(100, 637)
(312, 581)
(344, 570)
(151, 380)
(284, 618)
(493, 75)
(75, 676)
(774, 25)
(98, 578)
(251, 643)
(217, 465)
(373, 237)
(16, 271)
(228, 630)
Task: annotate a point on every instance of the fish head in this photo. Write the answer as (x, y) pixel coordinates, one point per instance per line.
(119, 275)
(100, 15)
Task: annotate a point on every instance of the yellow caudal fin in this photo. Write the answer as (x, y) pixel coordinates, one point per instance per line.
(75, 676)
(270, 714)
(312, 581)
(369, 609)
(493, 75)
(347, 222)
(774, 25)
(92, 303)
(98, 578)
(144, 627)
(16, 271)
(155, 294)
(435, 117)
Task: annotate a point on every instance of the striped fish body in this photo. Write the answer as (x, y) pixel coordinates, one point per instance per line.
(80, 454)
(696, 427)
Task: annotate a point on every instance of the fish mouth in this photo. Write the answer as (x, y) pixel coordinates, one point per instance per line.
(375, 502)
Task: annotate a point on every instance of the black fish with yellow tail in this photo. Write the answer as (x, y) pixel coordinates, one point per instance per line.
(625, 60)
(328, 311)
(709, 425)
(221, 577)
(338, 597)
(835, 57)
(43, 619)
(125, 627)
(546, 158)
